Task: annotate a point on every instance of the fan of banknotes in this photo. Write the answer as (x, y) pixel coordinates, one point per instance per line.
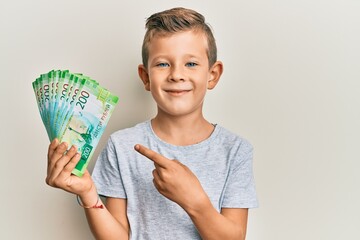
(75, 109)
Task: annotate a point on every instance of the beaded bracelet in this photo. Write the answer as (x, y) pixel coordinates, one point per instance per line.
(86, 207)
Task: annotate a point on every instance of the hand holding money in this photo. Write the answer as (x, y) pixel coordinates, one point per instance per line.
(74, 109)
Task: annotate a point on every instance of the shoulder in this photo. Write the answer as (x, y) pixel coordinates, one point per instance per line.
(232, 140)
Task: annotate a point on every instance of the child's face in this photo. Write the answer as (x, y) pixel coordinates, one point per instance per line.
(178, 73)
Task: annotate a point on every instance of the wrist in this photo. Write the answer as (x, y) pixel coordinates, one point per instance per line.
(98, 203)
(199, 206)
(90, 197)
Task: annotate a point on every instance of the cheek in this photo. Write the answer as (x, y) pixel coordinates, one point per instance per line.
(156, 77)
(153, 84)
(205, 81)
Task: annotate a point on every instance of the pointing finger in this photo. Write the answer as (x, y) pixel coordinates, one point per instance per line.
(153, 156)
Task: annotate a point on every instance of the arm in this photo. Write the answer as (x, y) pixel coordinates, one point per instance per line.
(107, 223)
(110, 222)
(176, 182)
(231, 223)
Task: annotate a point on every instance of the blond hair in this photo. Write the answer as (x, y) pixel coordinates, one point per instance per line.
(176, 20)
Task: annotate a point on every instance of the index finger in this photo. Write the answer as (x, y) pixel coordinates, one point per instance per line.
(54, 143)
(56, 150)
(153, 156)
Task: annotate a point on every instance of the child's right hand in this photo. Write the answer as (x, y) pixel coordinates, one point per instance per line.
(60, 166)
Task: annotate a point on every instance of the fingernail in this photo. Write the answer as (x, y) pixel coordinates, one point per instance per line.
(137, 147)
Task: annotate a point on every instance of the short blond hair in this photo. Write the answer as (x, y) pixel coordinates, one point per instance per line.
(176, 20)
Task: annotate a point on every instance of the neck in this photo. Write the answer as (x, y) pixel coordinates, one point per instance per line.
(183, 130)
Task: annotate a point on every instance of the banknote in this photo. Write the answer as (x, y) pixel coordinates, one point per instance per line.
(40, 102)
(75, 109)
(71, 86)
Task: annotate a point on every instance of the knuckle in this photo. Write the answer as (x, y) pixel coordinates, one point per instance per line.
(69, 154)
(71, 150)
(57, 182)
(54, 182)
(58, 165)
(165, 176)
(47, 181)
(157, 185)
(60, 150)
(51, 159)
(50, 182)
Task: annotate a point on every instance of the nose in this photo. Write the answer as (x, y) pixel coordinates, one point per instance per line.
(176, 74)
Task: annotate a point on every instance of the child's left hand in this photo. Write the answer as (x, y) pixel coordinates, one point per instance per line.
(175, 181)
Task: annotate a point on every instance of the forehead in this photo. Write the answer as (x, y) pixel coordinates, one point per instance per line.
(185, 42)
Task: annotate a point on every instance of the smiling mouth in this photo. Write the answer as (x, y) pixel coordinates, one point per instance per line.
(177, 92)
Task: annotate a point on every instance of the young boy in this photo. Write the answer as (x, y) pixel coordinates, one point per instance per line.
(176, 176)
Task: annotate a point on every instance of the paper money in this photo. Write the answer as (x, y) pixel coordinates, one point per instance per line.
(75, 109)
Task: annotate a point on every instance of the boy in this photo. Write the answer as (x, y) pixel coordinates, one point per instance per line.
(193, 180)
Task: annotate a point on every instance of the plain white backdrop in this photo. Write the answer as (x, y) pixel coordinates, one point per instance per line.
(291, 86)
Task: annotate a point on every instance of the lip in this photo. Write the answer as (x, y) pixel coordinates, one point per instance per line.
(177, 92)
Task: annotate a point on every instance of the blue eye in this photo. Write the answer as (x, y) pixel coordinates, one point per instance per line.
(162, 65)
(191, 64)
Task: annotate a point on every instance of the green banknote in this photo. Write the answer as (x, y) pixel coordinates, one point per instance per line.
(75, 109)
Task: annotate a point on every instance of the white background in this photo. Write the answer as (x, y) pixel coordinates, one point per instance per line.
(291, 86)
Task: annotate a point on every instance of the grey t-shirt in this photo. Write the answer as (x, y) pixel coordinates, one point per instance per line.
(222, 163)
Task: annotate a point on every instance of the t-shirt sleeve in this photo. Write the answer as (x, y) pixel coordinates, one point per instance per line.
(240, 190)
(106, 173)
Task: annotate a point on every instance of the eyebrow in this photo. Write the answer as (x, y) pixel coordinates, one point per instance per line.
(184, 56)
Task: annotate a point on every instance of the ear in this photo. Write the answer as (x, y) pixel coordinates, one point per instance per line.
(144, 76)
(215, 73)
